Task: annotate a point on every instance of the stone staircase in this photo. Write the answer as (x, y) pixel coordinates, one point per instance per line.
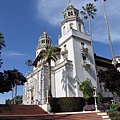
(34, 112)
(104, 115)
(21, 110)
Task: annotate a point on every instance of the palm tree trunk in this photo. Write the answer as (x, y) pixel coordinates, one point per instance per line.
(108, 31)
(49, 78)
(90, 29)
(15, 93)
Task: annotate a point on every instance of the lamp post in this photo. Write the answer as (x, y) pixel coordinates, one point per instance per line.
(95, 98)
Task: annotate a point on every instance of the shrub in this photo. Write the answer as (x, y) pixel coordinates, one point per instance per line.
(89, 108)
(67, 104)
(114, 115)
(113, 106)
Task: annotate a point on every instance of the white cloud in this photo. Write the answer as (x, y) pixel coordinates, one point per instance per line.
(51, 11)
(11, 53)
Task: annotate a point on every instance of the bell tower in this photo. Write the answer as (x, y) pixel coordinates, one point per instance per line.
(71, 20)
(43, 40)
(77, 54)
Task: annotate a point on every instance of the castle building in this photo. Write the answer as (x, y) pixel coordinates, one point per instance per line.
(75, 64)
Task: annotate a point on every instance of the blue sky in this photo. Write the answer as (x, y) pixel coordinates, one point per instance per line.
(23, 21)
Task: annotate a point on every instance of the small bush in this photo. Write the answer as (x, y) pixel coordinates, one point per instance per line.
(114, 115)
(89, 108)
(114, 106)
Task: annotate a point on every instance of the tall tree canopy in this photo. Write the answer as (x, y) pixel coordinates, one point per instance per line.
(10, 78)
(89, 11)
(111, 78)
(28, 63)
(48, 54)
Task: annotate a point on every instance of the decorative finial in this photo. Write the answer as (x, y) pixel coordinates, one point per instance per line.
(69, 1)
(44, 29)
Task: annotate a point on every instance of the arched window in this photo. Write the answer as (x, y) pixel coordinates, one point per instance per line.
(80, 27)
(71, 13)
(71, 25)
(63, 30)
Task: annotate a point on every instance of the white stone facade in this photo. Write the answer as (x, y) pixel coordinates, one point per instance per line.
(75, 64)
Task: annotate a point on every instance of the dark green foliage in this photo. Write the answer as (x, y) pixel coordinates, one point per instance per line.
(86, 88)
(89, 11)
(18, 100)
(114, 115)
(9, 79)
(111, 78)
(67, 104)
(100, 98)
(114, 106)
(5, 86)
(50, 53)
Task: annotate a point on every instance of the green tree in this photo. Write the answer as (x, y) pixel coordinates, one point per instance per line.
(108, 31)
(86, 88)
(48, 54)
(28, 63)
(18, 100)
(111, 80)
(4, 86)
(10, 79)
(88, 12)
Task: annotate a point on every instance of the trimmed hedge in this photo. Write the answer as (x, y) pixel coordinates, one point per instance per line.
(67, 104)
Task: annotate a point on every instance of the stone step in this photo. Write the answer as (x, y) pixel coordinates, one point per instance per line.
(102, 113)
(105, 116)
(107, 119)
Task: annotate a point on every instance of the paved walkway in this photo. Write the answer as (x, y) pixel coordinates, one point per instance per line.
(33, 112)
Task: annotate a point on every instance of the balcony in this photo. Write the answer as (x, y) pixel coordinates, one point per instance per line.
(86, 64)
(64, 52)
(84, 51)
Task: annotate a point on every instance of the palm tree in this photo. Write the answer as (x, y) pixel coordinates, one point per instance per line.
(48, 54)
(89, 11)
(2, 42)
(108, 31)
(28, 63)
(86, 88)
